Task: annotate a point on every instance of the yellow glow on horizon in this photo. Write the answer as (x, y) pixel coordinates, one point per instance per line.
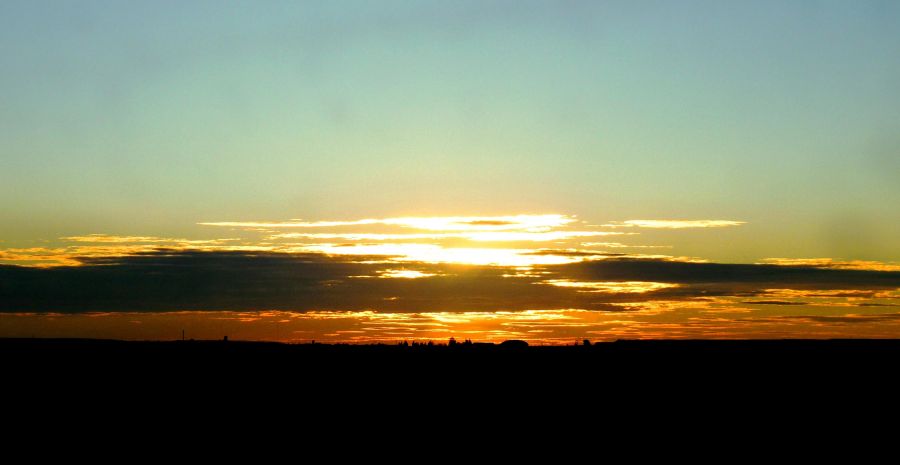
(429, 253)
(404, 274)
(535, 223)
(427, 239)
(364, 236)
(612, 287)
(478, 236)
(722, 318)
(524, 236)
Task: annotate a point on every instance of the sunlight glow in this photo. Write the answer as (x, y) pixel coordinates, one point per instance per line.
(524, 236)
(532, 223)
(718, 318)
(404, 274)
(479, 236)
(428, 253)
(612, 287)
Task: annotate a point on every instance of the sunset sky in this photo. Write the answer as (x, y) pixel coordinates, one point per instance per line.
(365, 171)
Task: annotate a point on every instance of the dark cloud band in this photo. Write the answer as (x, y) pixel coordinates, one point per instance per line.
(172, 280)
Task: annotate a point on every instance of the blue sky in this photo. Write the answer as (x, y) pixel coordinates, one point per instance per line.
(149, 117)
(365, 171)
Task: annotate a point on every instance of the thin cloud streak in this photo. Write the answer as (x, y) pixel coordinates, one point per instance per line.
(834, 264)
(433, 254)
(619, 245)
(482, 236)
(677, 224)
(535, 223)
(611, 287)
(109, 239)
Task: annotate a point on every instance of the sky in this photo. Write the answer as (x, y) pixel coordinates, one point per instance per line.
(489, 169)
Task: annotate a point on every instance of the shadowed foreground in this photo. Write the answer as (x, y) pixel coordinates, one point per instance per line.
(241, 361)
(729, 380)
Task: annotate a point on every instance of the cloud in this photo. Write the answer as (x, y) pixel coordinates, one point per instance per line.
(438, 229)
(170, 280)
(532, 223)
(611, 287)
(478, 236)
(175, 280)
(732, 276)
(75, 255)
(431, 253)
(834, 264)
(845, 319)
(773, 302)
(677, 224)
(619, 245)
(109, 239)
(522, 276)
(289, 224)
(831, 293)
(403, 273)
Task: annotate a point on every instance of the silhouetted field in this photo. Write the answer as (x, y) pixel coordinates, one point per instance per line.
(218, 379)
(645, 358)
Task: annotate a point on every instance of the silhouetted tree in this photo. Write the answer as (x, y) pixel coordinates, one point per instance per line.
(514, 344)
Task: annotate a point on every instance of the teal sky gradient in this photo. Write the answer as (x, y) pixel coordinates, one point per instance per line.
(147, 117)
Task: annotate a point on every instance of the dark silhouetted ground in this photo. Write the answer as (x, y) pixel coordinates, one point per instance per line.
(616, 384)
(234, 361)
